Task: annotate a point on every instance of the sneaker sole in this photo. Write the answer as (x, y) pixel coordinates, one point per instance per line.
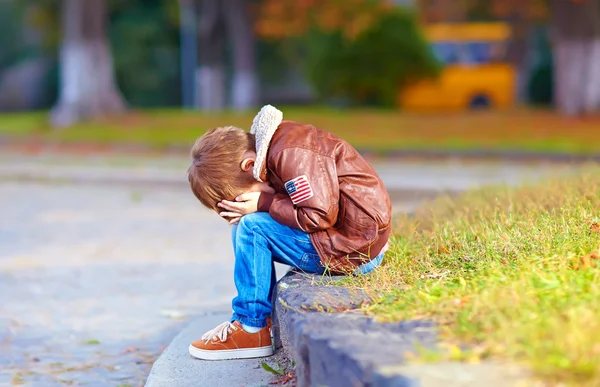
(230, 354)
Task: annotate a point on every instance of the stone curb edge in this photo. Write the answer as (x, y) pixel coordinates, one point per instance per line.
(332, 345)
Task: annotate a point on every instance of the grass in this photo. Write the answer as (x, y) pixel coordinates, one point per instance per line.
(379, 130)
(509, 273)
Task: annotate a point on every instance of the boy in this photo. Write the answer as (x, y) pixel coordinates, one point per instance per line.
(296, 195)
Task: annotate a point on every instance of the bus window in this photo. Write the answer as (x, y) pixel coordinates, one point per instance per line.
(478, 52)
(446, 52)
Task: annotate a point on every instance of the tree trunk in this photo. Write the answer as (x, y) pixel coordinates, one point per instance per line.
(87, 82)
(518, 50)
(210, 76)
(219, 20)
(189, 55)
(239, 25)
(444, 11)
(576, 39)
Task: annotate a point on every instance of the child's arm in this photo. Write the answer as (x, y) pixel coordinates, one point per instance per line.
(311, 203)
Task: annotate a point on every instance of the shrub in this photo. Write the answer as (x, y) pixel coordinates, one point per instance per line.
(371, 67)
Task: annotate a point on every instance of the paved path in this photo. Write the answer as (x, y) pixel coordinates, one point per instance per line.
(176, 368)
(96, 278)
(171, 170)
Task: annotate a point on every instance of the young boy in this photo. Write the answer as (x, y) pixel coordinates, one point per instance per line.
(296, 195)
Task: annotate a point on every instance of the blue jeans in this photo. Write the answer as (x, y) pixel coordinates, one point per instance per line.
(258, 242)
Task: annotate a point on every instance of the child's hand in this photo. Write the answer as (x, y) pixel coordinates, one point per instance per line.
(244, 204)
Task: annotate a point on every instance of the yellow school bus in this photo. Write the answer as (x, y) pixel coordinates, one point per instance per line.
(475, 72)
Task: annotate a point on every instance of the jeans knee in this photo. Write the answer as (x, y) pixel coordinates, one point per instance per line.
(251, 221)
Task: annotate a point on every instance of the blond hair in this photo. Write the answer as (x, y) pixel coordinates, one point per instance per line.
(216, 173)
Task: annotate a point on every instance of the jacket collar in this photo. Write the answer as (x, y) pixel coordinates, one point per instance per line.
(264, 125)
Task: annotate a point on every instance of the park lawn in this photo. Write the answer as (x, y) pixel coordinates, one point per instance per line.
(511, 273)
(375, 130)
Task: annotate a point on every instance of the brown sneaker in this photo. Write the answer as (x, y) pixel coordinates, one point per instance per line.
(230, 341)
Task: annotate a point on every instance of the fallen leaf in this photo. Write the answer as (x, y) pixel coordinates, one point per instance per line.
(587, 261)
(460, 301)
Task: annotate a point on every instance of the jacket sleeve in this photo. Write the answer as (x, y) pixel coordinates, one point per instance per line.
(312, 199)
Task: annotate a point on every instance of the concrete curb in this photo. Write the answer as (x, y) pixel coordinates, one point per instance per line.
(333, 346)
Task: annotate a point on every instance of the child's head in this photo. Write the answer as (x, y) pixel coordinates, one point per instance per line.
(222, 163)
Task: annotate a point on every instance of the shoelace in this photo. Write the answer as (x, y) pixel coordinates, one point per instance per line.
(220, 332)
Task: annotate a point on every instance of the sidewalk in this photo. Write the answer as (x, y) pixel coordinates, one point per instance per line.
(176, 368)
(171, 170)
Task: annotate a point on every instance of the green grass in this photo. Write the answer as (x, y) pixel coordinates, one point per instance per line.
(513, 274)
(378, 130)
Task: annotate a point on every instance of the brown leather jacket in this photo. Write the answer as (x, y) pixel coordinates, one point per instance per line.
(326, 188)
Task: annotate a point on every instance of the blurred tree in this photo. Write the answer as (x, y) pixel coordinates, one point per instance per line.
(371, 67)
(448, 11)
(44, 16)
(279, 19)
(144, 38)
(11, 40)
(219, 20)
(87, 86)
(540, 87)
(353, 51)
(210, 76)
(438, 11)
(576, 30)
(522, 17)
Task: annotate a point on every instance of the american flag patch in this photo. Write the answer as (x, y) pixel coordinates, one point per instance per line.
(299, 189)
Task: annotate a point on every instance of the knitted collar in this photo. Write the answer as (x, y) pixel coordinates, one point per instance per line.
(263, 127)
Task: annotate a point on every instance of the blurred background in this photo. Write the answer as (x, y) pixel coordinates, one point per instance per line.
(398, 65)
(105, 253)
